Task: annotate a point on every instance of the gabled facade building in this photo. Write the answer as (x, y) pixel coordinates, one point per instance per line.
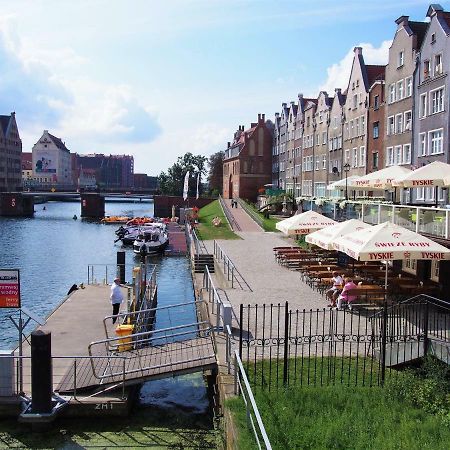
(432, 118)
(290, 149)
(10, 154)
(400, 78)
(335, 136)
(247, 164)
(276, 152)
(282, 156)
(376, 126)
(309, 132)
(362, 77)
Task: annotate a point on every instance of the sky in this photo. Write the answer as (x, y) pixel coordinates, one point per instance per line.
(156, 79)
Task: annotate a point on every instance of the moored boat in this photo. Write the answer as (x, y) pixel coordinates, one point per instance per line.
(151, 241)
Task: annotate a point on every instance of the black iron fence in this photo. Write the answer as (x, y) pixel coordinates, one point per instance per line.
(283, 347)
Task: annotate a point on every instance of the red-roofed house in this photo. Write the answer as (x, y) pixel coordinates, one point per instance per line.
(247, 165)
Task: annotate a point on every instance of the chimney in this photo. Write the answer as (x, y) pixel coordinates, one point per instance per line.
(284, 105)
(228, 144)
(300, 96)
(357, 50)
(292, 103)
(402, 21)
(45, 131)
(277, 115)
(253, 125)
(263, 118)
(338, 91)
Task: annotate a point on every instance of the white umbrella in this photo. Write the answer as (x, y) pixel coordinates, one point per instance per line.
(381, 179)
(388, 241)
(325, 237)
(340, 184)
(304, 223)
(435, 174)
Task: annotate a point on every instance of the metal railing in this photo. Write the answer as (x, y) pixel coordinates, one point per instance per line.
(195, 245)
(230, 219)
(254, 215)
(229, 269)
(242, 387)
(105, 273)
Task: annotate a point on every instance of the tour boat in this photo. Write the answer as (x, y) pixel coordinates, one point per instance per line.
(151, 241)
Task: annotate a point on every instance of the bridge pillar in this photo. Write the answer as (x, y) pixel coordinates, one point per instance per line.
(16, 204)
(92, 206)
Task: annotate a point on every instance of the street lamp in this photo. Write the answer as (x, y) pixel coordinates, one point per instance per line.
(346, 170)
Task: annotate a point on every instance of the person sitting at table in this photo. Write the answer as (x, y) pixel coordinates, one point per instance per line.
(345, 296)
(333, 292)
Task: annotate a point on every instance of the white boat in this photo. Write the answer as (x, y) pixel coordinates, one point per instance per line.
(152, 241)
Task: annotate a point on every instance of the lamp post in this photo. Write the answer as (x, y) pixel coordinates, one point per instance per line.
(346, 170)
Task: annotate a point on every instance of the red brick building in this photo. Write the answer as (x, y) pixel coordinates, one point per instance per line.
(247, 165)
(376, 127)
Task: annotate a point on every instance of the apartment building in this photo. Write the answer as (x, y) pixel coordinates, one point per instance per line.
(10, 155)
(376, 126)
(322, 120)
(362, 77)
(431, 95)
(335, 136)
(400, 72)
(247, 165)
(290, 149)
(309, 130)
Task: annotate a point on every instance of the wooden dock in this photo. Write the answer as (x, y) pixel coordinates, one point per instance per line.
(177, 240)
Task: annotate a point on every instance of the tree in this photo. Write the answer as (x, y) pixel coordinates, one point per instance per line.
(215, 176)
(172, 182)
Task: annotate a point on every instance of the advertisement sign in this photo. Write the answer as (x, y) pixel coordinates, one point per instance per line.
(45, 162)
(9, 288)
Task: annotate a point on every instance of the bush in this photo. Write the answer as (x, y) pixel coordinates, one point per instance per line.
(426, 387)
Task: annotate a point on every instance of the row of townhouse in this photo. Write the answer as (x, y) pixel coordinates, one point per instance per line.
(396, 114)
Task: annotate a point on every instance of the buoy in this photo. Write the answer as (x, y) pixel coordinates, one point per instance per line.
(74, 217)
(44, 208)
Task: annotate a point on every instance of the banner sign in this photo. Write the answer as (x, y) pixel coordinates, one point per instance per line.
(9, 288)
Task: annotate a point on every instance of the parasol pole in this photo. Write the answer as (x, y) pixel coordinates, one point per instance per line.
(386, 279)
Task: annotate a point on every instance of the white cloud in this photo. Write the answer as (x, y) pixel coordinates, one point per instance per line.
(339, 73)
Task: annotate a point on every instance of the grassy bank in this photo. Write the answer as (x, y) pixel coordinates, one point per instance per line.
(149, 428)
(267, 223)
(206, 230)
(412, 411)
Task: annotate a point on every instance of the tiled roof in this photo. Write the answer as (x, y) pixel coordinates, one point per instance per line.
(4, 122)
(446, 17)
(375, 73)
(60, 144)
(419, 29)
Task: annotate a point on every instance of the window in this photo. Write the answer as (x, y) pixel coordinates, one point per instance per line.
(362, 156)
(408, 83)
(409, 265)
(355, 158)
(408, 120)
(357, 127)
(320, 116)
(352, 132)
(437, 65)
(324, 162)
(423, 106)
(391, 126)
(375, 160)
(434, 271)
(347, 156)
(335, 121)
(401, 58)
(397, 154)
(324, 137)
(422, 144)
(436, 138)
(317, 162)
(392, 93)
(399, 123)
(389, 156)
(355, 101)
(376, 130)
(400, 89)
(363, 125)
(426, 69)
(437, 101)
(433, 38)
(376, 102)
(406, 154)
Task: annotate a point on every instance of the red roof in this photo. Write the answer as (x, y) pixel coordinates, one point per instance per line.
(375, 73)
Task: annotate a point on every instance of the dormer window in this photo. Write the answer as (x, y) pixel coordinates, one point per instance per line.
(357, 83)
(433, 38)
(401, 58)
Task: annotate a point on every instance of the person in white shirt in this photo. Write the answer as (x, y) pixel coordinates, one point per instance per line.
(333, 293)
(116, 297)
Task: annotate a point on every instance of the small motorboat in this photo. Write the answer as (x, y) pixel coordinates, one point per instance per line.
(151, 241)
(128, 234)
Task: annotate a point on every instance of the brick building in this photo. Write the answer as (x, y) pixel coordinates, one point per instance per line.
(247, 165)
(10, 155)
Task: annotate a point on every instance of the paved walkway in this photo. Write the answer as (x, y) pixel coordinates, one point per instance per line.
(245, 222)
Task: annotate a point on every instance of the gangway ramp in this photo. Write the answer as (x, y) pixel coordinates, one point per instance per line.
(147, 356)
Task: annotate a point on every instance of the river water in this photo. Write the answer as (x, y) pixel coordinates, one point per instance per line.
(53, 251)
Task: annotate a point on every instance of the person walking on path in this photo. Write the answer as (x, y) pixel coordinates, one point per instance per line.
(116, 298)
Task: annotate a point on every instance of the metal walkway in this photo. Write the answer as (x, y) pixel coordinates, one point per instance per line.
(142, 356)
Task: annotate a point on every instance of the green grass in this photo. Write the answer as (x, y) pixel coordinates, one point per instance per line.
(149, 428)
(206, 230)
(346, 414)
(267, 223)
